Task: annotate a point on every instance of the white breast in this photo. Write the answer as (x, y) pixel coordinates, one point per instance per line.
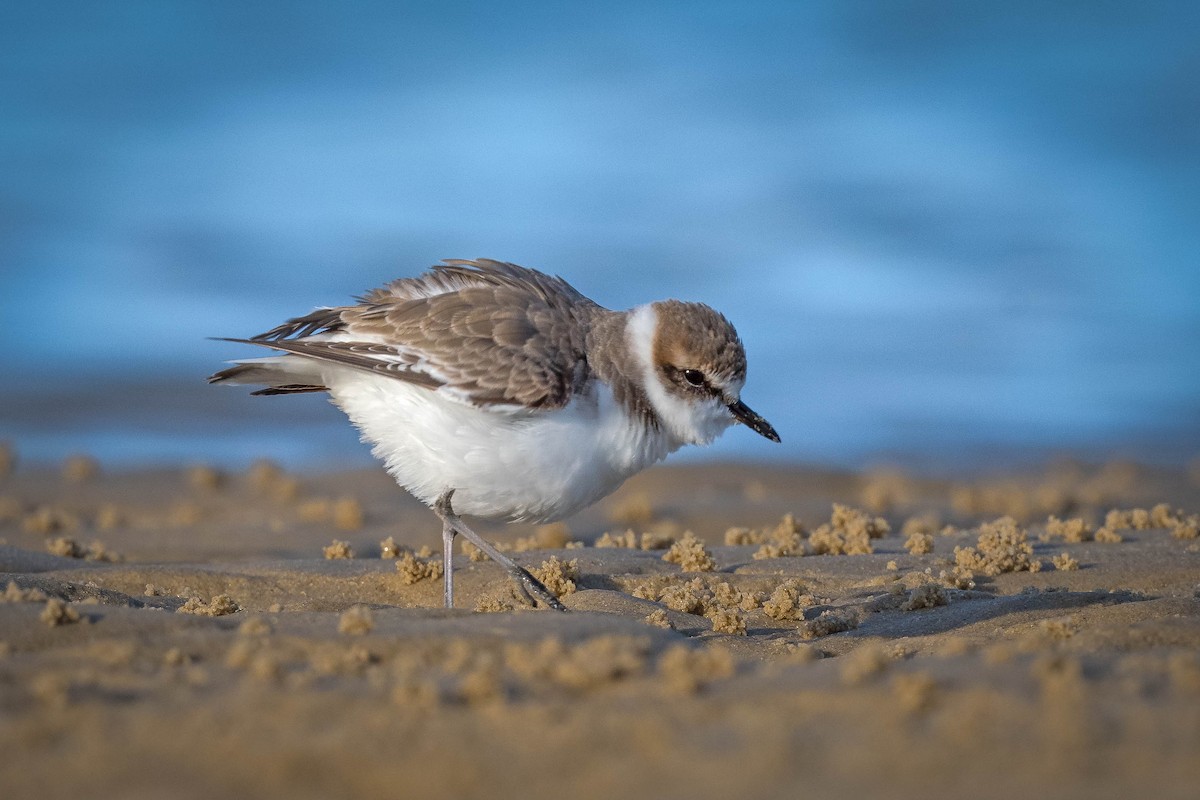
(512, 464)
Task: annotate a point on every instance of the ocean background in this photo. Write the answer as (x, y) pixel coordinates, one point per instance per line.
(953, 235)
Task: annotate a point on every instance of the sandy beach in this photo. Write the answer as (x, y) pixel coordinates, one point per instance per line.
(734, 630)
(956, 238)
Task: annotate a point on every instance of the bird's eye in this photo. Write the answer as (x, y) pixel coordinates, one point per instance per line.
(694, 376)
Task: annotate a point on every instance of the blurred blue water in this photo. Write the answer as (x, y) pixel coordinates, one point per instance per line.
(948, 232)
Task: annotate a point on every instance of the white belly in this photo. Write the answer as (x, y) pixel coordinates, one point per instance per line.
(511, 464)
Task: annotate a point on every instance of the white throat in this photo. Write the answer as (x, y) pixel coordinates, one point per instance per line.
(685, 420)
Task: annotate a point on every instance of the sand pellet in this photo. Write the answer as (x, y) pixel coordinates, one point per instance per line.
(49, 519)
(58, 612)
(356, 621)
(862, 664)
(1063, 561)
(927, 595)
(691, 555)
(659, 619)
(388, 548)
(829, 623)
(919, 543)
(64, 547)
(338, 550)
(727, 620)
(347, 514)
(685, 670)
(558, 576)
(1069, 530)
(218, 606)
(1003, 546)
(15, 594)
(204, 478)
(80, 468)
(414, 570)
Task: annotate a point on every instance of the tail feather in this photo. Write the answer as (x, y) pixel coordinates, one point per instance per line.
(280, 374)
(291, 388)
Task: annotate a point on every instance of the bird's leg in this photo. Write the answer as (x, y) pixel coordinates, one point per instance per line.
(528, 584)
(448, 562)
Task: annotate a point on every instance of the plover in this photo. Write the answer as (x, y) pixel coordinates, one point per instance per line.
(497, 391)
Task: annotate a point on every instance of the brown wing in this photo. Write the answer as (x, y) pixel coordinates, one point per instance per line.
(485, 332)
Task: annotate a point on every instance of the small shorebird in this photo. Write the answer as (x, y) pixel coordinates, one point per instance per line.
(508, 392)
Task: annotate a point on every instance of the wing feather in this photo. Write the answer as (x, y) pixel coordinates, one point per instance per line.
(377, 358)
(487, 332)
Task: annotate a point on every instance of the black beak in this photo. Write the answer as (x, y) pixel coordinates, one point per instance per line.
(753, 421)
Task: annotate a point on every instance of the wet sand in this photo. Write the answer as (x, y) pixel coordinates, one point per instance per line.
(189, 633)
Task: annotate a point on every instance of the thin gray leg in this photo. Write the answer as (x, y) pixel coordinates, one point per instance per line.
(528, 584)
(448, 562)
